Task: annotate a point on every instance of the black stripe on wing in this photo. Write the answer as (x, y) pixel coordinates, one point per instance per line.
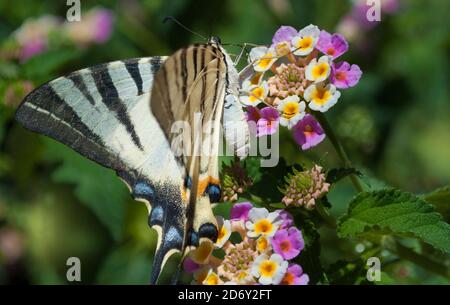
(132, 66)
(110, 97)
(79, 83)
(45, 112)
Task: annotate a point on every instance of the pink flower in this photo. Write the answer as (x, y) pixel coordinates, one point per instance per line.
(252, 114)
(288, 220)
(103, 20)
(283, 34)
(308, 132)
(295, 276)
(239, 211)
(190, 266)
(288, 242)
(32, 48)
(334, 45)
(344, 76)
(268, 123)
(265, 120)
(95, 27)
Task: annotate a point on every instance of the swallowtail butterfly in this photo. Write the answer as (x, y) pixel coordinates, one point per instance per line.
(121, 114)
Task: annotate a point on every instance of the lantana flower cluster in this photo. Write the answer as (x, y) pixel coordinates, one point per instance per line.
(35, 36)
(304, 188)
(254, 247)
(293, 79)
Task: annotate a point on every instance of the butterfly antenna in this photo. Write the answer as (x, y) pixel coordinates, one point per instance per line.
(171, 18)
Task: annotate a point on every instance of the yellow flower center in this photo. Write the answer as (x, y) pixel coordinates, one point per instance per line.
(222, 233)
(261, 244)
(321, 96)
(290, 110)
(305, 43)
(308, 130)
(242, 275)
(267, 268)
(256, 94)
(255, 79)
(331, 51)
(282, 48)
(288, 279)
(341, 76)
(212, 279)
(263, 226)
(285, 246)
(266, 60)
(320, 70)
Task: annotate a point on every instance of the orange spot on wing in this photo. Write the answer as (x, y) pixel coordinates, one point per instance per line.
(203, 184)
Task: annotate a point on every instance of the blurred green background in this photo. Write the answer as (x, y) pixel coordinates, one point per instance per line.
(55, 204)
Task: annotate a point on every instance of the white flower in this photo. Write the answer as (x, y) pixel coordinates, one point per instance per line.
(321, 97)
(269, 270)
(254, 94)
(318, 71)
(212, 279)
(224, 232)
(304, 42)
(262, 58)
(261, 222)
(292, 111)
(252, 80)
(263, 244)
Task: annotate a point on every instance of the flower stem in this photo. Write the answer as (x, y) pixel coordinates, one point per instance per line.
(326, 217)
(420, 260)
(339, 149)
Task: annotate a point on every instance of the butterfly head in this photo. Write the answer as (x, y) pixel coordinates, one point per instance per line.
(215, 40)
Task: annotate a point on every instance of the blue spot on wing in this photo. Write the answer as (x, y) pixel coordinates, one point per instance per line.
(156, 215)
(142, 189)
(173, 236)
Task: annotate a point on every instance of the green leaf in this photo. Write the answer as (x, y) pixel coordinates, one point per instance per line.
(336, 174)
(126, 265)
(43, 65)
(440, 198)
(395, 212)
(351, 272)
(95, 186)
(272, 176)
(347, 272)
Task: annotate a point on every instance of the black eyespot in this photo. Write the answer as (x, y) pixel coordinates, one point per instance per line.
(214, 192)
(208, 230)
